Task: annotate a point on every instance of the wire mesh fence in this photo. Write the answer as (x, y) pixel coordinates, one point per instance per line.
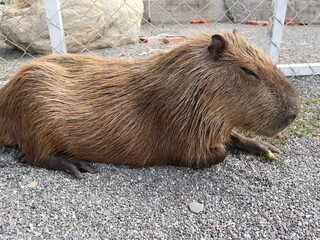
(136, 28)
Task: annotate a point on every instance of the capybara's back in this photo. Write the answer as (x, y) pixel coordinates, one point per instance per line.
(66, 104)
(178, 108)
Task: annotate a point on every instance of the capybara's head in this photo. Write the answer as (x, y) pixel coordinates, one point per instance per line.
(262, 100)
(236, 81)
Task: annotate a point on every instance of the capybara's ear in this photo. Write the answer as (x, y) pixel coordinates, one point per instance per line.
(217, 46)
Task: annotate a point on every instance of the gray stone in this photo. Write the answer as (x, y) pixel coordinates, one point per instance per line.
(165, 11)
(196, 207)
(238, 11)
(241, 10)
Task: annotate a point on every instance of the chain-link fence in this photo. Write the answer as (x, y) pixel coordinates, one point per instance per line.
(136, 28)
(241, 199)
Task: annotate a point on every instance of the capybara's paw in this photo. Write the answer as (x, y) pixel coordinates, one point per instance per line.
(71, 165)
(261, 147)
(76, 166)
(21, 157)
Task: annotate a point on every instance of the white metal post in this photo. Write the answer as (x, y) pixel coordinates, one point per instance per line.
(276, 29)
(55, 26)
(275, 35)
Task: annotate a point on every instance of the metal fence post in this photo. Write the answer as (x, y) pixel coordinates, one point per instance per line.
(276, 29)
(55, 26)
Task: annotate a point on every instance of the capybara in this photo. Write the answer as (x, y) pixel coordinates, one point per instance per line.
(177, 108)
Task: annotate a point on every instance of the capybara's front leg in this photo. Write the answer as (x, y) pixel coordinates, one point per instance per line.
(251, 145)
(61, 162)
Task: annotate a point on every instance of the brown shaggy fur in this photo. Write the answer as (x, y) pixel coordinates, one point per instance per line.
(178, 107)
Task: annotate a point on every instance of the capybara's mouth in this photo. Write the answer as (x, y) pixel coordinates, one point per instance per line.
(284, 120)
(271, 132)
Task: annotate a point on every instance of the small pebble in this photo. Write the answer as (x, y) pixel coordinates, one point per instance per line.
(31, 226)
(247, 236)
(196, 207)
(32, 184)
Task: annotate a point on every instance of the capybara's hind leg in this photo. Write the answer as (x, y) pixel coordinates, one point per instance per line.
(251, 145)
(61, 162)
(71, 165)
(216, 156)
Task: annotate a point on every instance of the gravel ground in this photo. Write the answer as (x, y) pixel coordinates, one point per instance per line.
(245, 197)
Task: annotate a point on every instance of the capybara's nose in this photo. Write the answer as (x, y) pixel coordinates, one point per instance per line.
(291, 117)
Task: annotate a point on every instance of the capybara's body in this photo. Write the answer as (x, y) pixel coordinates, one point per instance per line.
(178, 107)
